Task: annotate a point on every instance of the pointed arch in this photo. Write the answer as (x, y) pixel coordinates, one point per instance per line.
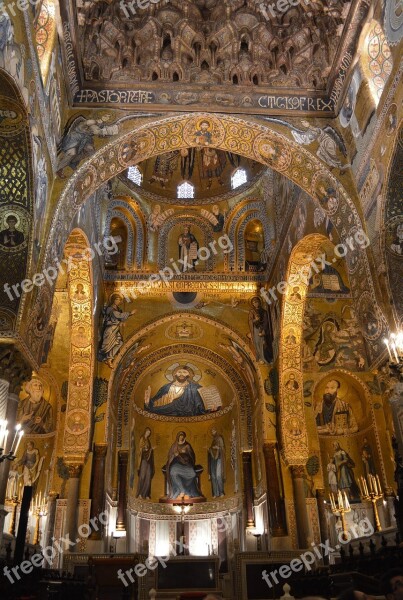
(258, 141)
(295, 447)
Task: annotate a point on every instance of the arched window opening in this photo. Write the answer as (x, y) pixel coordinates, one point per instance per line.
(186, 190)
(239, 177)
(135, 175)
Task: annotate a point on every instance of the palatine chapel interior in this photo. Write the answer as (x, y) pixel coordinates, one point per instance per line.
(201, 316)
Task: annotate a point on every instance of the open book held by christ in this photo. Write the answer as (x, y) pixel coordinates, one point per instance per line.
(211, 398)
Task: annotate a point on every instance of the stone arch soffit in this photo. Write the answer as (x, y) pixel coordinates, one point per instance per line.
(294, 439)
(116, 379)
(78, 417)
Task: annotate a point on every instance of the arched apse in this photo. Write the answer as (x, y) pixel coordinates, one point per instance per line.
(16, 202)
(259, 142)
(128, 368)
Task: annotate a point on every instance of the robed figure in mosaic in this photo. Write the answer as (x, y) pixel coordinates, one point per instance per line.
(180, 398)
(216, 464)
(111, 337)
(146, 468)
(34, 412)
(180, 469)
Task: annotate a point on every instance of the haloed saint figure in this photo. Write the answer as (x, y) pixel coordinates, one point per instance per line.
(35, 412)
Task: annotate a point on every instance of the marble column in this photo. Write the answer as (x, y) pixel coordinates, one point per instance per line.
(123, 458)
(275, 499)
(301, 514)
(248, 487)
(50, 522)
(97, 489)
(71, 522)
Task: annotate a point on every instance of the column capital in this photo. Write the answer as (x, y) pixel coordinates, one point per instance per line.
(297, 471)
(74, 470)
(14, 368)
(269, 446)
(123, 456)
(320, 492)
(53, 495)
(100, 450)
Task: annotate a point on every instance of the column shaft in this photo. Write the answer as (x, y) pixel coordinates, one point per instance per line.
(248, 487)
(123, 457)
(97, 490)
(71, 523)
(301, 514)
(275, 498)
(50, 522)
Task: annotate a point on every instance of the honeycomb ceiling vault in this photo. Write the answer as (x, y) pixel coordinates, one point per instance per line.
(229, 56)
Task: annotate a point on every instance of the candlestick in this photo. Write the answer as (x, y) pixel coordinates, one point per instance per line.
(373, 493)
(340, 510)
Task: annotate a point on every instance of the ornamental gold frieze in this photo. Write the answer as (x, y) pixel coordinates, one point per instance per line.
(137, 289)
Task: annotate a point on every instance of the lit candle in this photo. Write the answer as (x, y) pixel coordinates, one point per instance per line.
(21, 433)
(386, 341)
(379, 485)
(365, 486)
(17, 429)
(346, 500)
(393, 346)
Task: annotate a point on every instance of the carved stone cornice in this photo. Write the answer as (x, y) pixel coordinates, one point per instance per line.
(14, 368)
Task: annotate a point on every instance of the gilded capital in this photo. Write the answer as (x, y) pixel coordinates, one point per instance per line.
(74, 470)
